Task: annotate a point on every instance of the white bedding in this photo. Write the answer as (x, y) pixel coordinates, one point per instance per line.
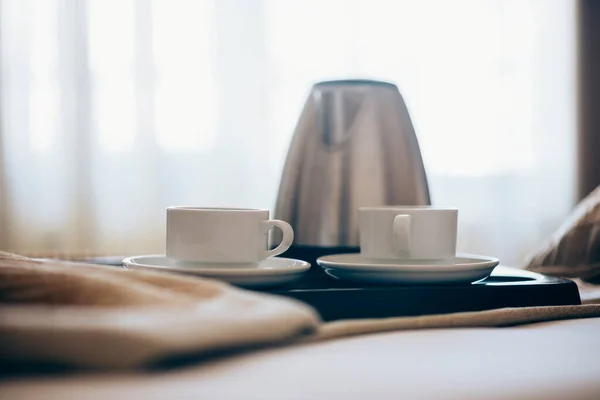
(556, 360)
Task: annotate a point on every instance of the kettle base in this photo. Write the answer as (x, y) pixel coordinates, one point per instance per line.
(310, 255)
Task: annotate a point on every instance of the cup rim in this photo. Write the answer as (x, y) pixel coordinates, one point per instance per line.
(215, 209)
(409, 207)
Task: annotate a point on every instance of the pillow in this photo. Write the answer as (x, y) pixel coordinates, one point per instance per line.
(574, 249)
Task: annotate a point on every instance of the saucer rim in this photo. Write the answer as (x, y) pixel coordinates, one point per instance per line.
(407, 277)
(302, 266)
(370, 265)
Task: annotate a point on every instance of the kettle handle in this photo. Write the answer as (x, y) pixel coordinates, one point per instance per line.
(286, 240)
(332, 121)
(401, 235)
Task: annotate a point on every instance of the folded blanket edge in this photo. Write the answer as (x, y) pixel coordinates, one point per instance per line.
(502, 317)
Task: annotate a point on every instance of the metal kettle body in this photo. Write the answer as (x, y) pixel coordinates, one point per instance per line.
(354, 145)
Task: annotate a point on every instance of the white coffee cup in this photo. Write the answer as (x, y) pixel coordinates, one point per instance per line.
(222, 235)
(408, 232)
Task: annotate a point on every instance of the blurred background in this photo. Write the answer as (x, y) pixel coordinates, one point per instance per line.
(112, 110)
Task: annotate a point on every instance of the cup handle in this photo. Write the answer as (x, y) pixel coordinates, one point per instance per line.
(286, 241)
(401, 235)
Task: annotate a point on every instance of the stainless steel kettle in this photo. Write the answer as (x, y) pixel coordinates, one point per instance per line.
(354, 145)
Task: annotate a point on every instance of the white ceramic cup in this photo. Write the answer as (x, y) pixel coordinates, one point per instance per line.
(222, 235)
(408, 232)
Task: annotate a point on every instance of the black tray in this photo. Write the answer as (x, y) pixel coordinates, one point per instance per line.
(505, 287)
(334, 299)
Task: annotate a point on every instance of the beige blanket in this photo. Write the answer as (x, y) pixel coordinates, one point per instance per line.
(98, 316)
(105, 317)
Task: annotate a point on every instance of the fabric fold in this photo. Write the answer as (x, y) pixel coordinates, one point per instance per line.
(476, 319)
(106, 317)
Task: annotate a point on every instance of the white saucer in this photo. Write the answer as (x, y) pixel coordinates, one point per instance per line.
(270, 272)
(464, 268)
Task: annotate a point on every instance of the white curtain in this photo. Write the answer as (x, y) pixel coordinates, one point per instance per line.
(112, 110)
